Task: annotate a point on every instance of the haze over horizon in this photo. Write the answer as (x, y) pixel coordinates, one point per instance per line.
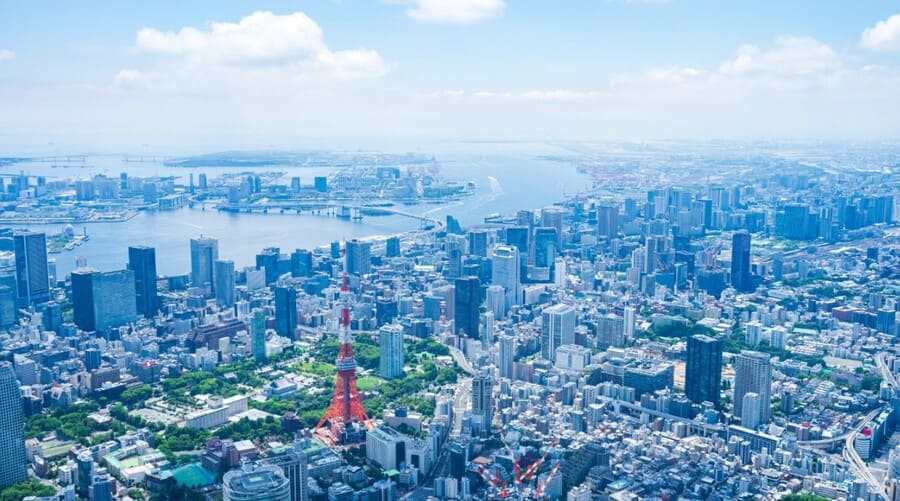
(398, 73)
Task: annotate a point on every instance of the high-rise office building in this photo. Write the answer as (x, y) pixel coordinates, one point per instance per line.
(467, 302)
(101, 488)
(142, 261)
(740, 262)
(294, 463)
(392, 247)
(9, 310)
(301, 263)
(545, 247)
(607, 221)
(85, 465)
(454, 263)
(507, 354)
(32, 275)
(478, 243)
(557, 329)
(753, 374)
(256, 482)
(83, 299)
(505, 273)
(703, 373)
(224, 283)
(285, 311)
(552, 217)
(204, 254)
(268, 260)
(102, 300)
(258, 334)
(12, 429)
(483, 398)
(495, 300)
(391, 351)
(359, 257)
(517, 236)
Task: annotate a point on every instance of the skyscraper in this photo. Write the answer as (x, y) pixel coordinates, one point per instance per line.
(268, 260)
(478, 242)
(703, 373)
(258, 335)
(751, 410)
(359, 257)
(301, 263)
(753, 374)
(545, 247)
(392, 247)
(391, 351)
(505, 269)
(102, 300)
(552, 217)
(740, 262)
(628, 322)
(32, 276)
(295, 465)
(557, 329)
(83, 299)
(285, 311)
(224, 283)
(507, 356)
(467, 302)
(12, 428)
(607, 221)
(142, 261)
(483, 398)
(204, 253)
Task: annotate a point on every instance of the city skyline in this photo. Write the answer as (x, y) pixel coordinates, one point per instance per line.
(450, 250)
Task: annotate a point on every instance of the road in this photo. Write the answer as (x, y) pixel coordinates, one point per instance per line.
(881, 363)
(858, 466)
(818, 444)
(462, 398)
(461, 360)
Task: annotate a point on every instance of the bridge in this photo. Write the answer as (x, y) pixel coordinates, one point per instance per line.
(326, 206)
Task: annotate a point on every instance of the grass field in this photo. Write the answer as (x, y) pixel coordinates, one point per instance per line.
(366, 383)
(320, 369)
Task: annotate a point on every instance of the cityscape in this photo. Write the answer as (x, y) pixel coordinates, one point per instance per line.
(471, 318)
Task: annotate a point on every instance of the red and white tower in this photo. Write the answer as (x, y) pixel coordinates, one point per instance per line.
(346, 404)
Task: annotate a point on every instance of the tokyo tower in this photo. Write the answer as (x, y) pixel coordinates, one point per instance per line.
(346, 404)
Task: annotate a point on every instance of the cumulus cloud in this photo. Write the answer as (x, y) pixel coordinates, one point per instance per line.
(885, 35)
(795, 86)
(453, 11)
(790, 56)
(7, 55)
(263, 40)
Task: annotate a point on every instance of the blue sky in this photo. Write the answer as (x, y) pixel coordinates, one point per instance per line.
(391, 73)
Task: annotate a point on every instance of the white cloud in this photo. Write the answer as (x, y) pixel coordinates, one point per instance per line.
(127, 79)
(532, 95)
(453, 11)
(793, 87)
(7, 55)
(790, 56)
(264, 40)
(885, 35)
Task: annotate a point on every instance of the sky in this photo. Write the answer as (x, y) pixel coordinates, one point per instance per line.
(197, 75)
